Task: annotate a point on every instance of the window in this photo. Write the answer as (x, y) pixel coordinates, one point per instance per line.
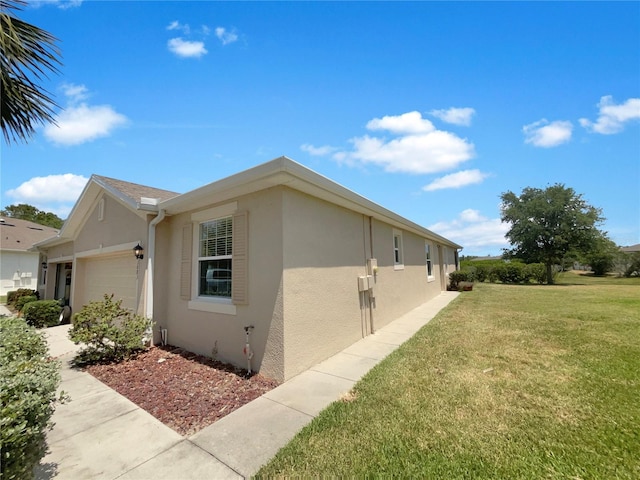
(427, 253)
(214, 258)
(398, 261)
(214, 261)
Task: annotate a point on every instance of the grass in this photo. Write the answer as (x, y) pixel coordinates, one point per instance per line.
(506, 382)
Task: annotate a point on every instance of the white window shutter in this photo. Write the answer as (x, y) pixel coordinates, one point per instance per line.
(185, 264)
(240, 266)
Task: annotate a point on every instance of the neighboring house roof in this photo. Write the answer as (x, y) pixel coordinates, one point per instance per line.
(631, 248)
(20, 235)
(488, 257)
(281, 171)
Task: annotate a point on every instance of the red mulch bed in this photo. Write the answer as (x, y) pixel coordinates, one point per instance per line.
(185, 391)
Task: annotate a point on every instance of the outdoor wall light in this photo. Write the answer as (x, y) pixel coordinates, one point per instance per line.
(137, 251)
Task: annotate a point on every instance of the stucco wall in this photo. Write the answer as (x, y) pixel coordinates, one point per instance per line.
(119, 226)
(400, 290)
(201, 331)
(305, 256)
(114, 234)
(324, 253)
(325, 250)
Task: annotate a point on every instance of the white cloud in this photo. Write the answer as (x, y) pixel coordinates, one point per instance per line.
(612, 117)
(456, 180)
(407, 123)
(176, 25)
(225, 36)
(186, 48)
(317, 151)
(456, 116)
(547, 134)
(418, 147)
(475, 232)
(54, 193)
(75, 93)
(61, 4)
(82, 123)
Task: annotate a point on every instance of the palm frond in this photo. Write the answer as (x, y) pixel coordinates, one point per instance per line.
(27, 54)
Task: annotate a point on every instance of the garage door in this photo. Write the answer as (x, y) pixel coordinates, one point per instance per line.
(112, 274)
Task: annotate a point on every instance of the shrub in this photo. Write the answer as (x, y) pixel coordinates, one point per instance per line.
(633, 269)
(110, 332)
(22, 301)
(536, 272)
(28, 383)
(42, 313)
(457, 277)
(14, 295)
(511, 272)
(482, 272)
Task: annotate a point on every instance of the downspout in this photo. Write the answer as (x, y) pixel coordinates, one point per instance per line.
(371, 298)
(151, 249)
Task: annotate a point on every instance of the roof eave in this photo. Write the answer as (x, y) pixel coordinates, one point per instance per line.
(286, 172)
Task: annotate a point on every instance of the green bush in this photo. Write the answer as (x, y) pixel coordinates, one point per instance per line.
(510, 272)
(42, 313)
(22, 301)
(633, 269)
(513, 271)
(28, 383)
(457, 277)
(536, 272)
(14, 295)
(110, 332)
(482, 272)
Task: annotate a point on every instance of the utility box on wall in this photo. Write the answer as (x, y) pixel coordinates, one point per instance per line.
(372, 266)
(365, 282)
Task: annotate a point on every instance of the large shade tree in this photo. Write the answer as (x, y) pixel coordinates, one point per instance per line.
(32, 214)
(28, 54)
(547, 225)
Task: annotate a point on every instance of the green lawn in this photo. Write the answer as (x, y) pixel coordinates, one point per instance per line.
(506, 382)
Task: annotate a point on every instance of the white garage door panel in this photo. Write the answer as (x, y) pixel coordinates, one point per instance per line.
(109, 275)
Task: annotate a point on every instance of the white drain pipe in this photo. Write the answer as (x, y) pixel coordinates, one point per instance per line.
(151, 258)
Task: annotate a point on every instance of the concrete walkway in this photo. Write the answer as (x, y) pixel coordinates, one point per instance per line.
(100, 434)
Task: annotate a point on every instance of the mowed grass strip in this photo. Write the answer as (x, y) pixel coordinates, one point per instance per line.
(506, 382)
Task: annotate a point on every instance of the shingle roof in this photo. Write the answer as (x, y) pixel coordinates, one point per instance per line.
(136, 191)
(18, 234)
(631, 248)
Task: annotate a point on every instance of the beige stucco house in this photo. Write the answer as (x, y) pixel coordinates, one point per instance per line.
(310, 265)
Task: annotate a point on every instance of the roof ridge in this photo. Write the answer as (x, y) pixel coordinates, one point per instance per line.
(134, 190)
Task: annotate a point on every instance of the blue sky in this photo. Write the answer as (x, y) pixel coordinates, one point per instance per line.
(429, 109)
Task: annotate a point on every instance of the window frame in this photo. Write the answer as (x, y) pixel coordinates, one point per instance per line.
(429, 261)
(398, 250)
(209, 303)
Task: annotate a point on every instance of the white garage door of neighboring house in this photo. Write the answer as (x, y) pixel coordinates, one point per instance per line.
(112, 274)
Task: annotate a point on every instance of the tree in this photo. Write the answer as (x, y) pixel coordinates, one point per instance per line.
(602, 257)
(549, 224)
(32, 214)
(27, 54)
